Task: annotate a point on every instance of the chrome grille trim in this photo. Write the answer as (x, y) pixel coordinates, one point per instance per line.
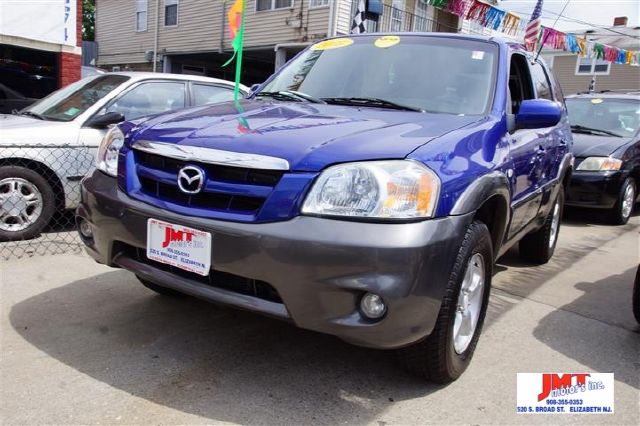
(211, 156)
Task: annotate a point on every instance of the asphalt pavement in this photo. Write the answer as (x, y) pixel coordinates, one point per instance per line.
(81, 343)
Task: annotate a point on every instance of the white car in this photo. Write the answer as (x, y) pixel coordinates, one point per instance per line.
(48, 147)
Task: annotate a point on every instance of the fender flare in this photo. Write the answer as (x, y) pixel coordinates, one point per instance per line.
(492, 185)
(480, 190)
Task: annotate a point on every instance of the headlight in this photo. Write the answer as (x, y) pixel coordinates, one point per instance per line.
(107, 158)
(401, 189)
(600, 164)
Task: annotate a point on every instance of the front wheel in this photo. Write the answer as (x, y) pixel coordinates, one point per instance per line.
(444, 355)
(539, 246)
(27, 203)
(624, 206)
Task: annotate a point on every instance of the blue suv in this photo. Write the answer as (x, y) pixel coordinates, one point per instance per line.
(365, 190)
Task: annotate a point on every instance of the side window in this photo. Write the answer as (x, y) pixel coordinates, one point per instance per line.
(541, 82)
(150, 98)
(520, 87)
(209, 94)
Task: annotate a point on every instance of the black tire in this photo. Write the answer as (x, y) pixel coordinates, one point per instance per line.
(48, 202)
(617, 216)
(636, 296)
(161, 290)
(435, 357)
(538, 247)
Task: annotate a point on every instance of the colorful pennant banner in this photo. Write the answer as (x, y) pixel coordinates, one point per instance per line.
(509, 23)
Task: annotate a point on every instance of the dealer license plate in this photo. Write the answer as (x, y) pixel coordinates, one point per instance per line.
(179, 246)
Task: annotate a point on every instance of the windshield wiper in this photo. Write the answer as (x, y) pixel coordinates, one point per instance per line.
(592, 131)
(292, 94)
(371, 102)
(31, 114)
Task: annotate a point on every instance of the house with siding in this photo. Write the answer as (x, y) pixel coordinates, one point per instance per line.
(191, 36)
(577, 74)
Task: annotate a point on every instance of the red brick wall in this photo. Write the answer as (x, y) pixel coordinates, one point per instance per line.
(79, 23)
(70, 63)
(69, 68)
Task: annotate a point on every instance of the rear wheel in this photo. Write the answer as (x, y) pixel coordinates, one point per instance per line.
(159, 289)
(444, 355)
(539, 246)
(624, 206)
(27, 203)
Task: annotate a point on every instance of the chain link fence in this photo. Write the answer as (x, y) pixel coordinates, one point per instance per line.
(39, 191)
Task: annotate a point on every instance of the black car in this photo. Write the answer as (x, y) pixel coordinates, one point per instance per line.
(606, 147)
(11, 100)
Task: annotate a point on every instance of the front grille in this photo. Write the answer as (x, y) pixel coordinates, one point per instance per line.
(215, 172)
(217, 279)
(237, 190)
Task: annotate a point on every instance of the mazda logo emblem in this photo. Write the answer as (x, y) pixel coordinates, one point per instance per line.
(190, 179)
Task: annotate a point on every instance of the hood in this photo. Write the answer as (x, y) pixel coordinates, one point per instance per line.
(21, 129)
(308, 136)
(596, 145)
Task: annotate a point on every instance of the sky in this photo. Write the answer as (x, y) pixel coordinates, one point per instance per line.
(598, 12)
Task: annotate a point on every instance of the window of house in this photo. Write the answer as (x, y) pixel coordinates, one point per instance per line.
(318, 3)
(541, 82)
(590, 66)
(170, 12)
(397, 15)
(421, 21)
(273, 4)
(141, 15)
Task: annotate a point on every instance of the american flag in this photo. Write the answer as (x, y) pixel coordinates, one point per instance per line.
(357, 26)
(533, 27)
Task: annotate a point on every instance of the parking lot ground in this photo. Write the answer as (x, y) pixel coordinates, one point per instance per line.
(86, 344)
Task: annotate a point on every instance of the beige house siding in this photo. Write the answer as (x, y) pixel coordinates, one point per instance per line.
(199, 28)
(621, 77)
(343, 16)
(118, 41)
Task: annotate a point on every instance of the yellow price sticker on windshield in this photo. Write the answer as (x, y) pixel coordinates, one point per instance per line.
(596, 101)
(387, 41)
(334, 43)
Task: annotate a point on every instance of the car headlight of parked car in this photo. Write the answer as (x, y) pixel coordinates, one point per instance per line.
(107, 158)
(399, 189)
(600, 164)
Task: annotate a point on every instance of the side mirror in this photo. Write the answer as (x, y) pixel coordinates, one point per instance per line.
(537, 113)
(104, 120)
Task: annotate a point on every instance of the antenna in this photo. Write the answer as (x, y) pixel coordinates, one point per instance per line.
(553, 27)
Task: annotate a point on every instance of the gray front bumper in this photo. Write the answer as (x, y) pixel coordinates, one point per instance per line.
(319, 267)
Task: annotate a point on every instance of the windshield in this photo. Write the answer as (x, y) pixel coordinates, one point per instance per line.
(617, 116)
(434, 74)
(71, 101)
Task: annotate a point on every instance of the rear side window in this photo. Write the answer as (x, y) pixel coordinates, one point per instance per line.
(209, 94)
(541, 82)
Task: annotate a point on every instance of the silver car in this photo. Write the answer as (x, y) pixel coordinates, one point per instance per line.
(47, 148)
